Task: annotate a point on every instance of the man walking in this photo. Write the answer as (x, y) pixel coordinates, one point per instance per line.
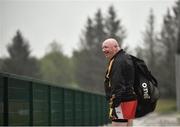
(119, 80)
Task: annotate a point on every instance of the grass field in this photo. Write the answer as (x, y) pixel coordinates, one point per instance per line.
(166, 106)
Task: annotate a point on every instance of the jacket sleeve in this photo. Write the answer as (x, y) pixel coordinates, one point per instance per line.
(122, 78)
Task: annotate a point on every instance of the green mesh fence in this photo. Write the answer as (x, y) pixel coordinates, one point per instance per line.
(68, 107)
(18, 102)
(25, 101)
(57, 106)
(93, 110)
(40, 105)
(1, 101)
(78, 109)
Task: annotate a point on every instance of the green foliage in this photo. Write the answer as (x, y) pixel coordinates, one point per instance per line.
(55, 66)
(19, 61)
(166, 106)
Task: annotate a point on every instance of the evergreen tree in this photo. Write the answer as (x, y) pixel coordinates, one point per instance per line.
(19, 61)
(149, 48)
(89, 37)
(82, 71)
(178, 42)
(90, 62)
(99, 28)
(139, 52)
(98, 60)
(176, 11)
(150, 42)
(81, 57)
(114, 28)
(168, 40)
(1, 61)
(159, 53)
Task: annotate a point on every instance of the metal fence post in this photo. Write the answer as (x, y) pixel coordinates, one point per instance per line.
(49, 105)
(5, 99)
(63, 113)
(31, 104)
(74, 113)
(178, 81)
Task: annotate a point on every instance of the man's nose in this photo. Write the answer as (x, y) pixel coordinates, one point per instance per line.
(103, 49)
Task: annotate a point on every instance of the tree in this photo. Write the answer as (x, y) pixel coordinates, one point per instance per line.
(139, 52)
(178, 42)
(87, 42)
(1, 61)
(89, 61)
(159, 53)
(150, 42)
(19, 61)
(99, 29)
(114, 29)
(55, 66)
(81, 57)
(152, 52)
(176, 11)
(168, 40)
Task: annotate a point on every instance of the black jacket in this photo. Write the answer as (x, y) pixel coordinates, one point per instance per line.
(121, 78)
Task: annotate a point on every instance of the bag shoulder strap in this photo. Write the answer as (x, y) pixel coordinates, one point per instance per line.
(141, 65)
(109, 69)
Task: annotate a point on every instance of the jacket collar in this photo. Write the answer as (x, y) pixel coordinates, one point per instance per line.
(120, 51)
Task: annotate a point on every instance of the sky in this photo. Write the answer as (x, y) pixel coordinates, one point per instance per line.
(44, 21)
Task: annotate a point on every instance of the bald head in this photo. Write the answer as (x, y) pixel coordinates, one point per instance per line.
(111, 42)
(110, 47)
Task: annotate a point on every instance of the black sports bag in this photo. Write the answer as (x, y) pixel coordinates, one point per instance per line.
(146, 88)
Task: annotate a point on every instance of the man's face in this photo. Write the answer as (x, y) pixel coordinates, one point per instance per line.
(108, 50)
